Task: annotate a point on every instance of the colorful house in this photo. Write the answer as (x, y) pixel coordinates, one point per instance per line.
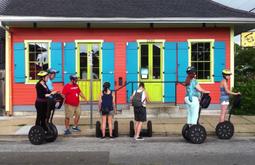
(127, 41)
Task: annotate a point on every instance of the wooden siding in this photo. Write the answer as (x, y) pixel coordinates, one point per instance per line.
(23, 94)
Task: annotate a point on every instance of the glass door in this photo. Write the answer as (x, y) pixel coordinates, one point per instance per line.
(85, 50)
(150, 60)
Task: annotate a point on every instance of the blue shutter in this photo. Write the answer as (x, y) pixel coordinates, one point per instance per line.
(169, 71)
(131, 66)
(56, 59)
(219, 60)
(19, 62)
(108, 63)
(182, 60)
(69, 58)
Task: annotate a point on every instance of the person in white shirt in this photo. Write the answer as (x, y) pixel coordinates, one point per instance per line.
(140, 111)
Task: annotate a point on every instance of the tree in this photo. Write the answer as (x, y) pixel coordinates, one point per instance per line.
(245, 78)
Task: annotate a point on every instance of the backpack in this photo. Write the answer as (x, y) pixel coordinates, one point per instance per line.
(137, 99)
(205, 101)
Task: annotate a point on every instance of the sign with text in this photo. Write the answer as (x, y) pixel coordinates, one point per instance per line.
(248, 39)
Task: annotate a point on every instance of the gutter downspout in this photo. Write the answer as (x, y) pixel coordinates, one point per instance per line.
(8, 81)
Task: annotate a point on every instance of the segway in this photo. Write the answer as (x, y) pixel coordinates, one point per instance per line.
(144, 132)
(37, 134)
(225, 130)
(115, 131)
(196, 134)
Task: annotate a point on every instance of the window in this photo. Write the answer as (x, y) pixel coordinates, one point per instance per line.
(200, 58)
(37, 58)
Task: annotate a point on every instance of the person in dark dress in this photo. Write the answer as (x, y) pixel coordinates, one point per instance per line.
(106, 106)
(42, 92)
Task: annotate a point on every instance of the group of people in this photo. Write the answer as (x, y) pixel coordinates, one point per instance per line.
(193, 91)
(106, 105)
(71, 93)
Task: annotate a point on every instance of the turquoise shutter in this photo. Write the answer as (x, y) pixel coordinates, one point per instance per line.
(19, 62)
(182, 60)
(56, 59)
(169, 71)
(108, 63)
(219, 60)
(69, 61)
(131, 66)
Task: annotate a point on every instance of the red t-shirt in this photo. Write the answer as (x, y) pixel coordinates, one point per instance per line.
(72, 93)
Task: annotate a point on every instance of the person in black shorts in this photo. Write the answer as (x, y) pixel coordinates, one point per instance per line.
(140, 111)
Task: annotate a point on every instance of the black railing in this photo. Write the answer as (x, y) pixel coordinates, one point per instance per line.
(137, 82)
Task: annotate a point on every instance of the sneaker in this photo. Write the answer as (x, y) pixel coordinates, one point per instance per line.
(76, 129)
(103, 137)
(111, 137)
(139, 138)
(67, 132)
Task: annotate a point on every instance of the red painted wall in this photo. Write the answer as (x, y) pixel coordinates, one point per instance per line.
(25, 94)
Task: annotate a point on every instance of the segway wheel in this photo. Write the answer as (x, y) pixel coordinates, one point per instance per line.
(115, 129)
(149, 128)
(185, 132)
(98, 129)
(53, 133)
(36, 135)
(197, 134)
(225, 130)
(131, 129)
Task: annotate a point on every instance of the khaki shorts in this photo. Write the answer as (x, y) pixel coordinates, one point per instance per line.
(71, 110)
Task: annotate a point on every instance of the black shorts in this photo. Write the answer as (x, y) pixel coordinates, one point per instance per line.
(140, 114)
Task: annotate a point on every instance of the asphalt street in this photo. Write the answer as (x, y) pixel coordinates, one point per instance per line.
(124, 150)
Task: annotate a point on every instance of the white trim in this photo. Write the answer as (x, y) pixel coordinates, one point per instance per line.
(232, 58)
(128, 20)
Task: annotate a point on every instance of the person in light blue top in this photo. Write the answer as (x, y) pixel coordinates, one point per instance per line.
(224, 93)
(191, 99)
(52, 74)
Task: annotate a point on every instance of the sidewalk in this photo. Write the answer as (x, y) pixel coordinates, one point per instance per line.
(162, 126)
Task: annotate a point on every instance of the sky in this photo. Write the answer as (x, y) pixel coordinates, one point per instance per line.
(239, 4)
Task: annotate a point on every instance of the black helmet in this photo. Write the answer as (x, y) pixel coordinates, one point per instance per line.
(191, 69)
(73, 77)
(106, 85)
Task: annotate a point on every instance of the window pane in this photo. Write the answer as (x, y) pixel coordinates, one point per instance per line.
(31, 47)
(194, 46)
(95, 73)
(156, 61)
(144, 61)
(83, 61)
(96, 58)
(194, 56)
(206, 56)
(32, 56)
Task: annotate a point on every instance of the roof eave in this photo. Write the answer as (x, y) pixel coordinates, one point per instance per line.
(229, 20)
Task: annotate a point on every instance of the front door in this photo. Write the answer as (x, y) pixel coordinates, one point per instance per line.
(150, 64)
(83, 68)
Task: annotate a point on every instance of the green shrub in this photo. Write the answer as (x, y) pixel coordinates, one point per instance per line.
(247, 89)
